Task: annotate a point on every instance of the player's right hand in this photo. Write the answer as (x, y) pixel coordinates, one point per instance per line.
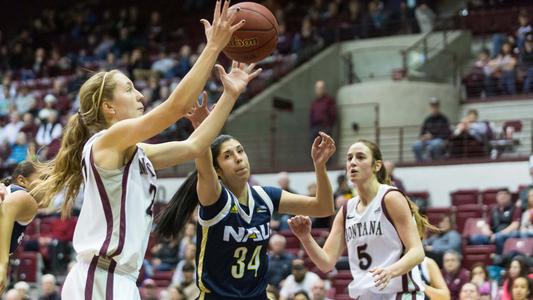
(219, 33)
(300, 226)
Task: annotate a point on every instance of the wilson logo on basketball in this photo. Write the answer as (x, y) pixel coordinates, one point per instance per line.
(242, 43)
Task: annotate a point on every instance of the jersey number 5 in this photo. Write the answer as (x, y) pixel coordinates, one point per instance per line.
(237, 269)
(365, 260)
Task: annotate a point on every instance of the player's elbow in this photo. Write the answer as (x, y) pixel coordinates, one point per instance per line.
(326, 267)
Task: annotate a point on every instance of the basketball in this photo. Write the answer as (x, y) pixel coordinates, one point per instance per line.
(258, 37)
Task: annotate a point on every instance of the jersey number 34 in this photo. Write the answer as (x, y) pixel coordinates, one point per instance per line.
(240, 265)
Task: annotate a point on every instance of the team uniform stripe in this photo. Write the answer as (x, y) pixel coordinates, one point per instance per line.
(89, 283)
(110, 277)
(203, 289)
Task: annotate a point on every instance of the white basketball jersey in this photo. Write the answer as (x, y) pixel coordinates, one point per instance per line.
(116, 215)
(373, 242)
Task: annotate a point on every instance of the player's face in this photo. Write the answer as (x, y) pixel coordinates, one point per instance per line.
(127, 101)
(359, 165)
(520, 289)
(233, 162)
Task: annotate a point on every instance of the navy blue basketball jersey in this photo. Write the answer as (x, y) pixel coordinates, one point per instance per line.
(232, 239)
(18, 229)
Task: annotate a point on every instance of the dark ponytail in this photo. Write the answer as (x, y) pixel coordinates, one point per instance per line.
(173, 218)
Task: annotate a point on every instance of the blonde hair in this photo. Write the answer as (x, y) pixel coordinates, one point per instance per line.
(64, 171)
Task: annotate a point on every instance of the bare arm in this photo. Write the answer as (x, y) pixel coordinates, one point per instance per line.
(324, 258)
(127, 133)
(401, 216)
(322, 205)
(18, 206)
(172, 153)
(437, 290)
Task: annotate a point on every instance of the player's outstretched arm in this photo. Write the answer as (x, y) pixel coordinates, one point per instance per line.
(402, 218)
(127, 133)
(170, 154)
(324, 258)
(17, 206)
(322, 205)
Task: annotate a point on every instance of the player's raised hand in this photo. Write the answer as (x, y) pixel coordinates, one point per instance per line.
(323, 148)
(219, 33)
(237, 79)
(300, 226)
(199, 113)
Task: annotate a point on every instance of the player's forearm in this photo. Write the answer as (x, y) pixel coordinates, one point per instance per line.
(187, 91)
(409, 260)
(204, 135)
(6, 229)
(324, 194)
(319, 257)
(436, 294)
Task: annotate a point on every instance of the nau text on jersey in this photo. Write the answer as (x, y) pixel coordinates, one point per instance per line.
(241, 234)
(362, 229)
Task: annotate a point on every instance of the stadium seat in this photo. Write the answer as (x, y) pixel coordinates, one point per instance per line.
(468, 211)
(28, 267)
(488, 196)
(462, 197)
(434, 213)
(341, 286)
(477, 254)
(521, 245)
(473, 226)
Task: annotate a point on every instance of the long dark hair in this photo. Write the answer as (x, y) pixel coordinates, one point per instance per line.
(172, 220)
(524, 269)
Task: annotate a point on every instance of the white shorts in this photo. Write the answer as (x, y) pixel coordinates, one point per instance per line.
(89, 282)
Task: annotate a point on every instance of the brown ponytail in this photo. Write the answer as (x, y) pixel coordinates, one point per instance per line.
(64, 173)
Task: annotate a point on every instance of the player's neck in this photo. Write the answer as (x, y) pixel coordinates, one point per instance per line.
(367, 191)
(240, 191)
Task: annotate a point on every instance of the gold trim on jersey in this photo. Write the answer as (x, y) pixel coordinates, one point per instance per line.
(201, 285)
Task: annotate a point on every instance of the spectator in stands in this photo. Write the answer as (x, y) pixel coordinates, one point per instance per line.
(376, 14)
(189, 237)
(306, 41)
(454, 275)
(300, 279)
(9, 133)
(165, 255)
(279, 221)
(446, 239)
(176, 293)
(395, 181)
(5, 103)
(517, 268)
(23, 288)
(472, 127)
(49, 130)
(487, 71)
(526, 223)
(19, 150)
(190, 252)
(149, 291)
(188, 285)
(279, 266)
(526, 63)
(318, 291)
(343, 190)
(504, 65)
(49, 102)
(469, 291)
(524, 29)
(425, 17)
(523, 194)
(301, 295)
(29, 128)
(480, 277)
(13, 294)
(522, 289)
(25, 101)
(49, 288)
(503, 222)
(323, 114)
(434, 134)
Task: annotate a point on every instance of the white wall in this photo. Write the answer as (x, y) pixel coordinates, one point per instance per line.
(438, 180)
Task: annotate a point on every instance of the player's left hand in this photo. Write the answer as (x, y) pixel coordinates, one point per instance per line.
(236, 81)
(381, 277)
(322, 149)
(199, 113)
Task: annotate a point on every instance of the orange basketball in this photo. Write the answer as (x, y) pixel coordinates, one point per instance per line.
(258, 37)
